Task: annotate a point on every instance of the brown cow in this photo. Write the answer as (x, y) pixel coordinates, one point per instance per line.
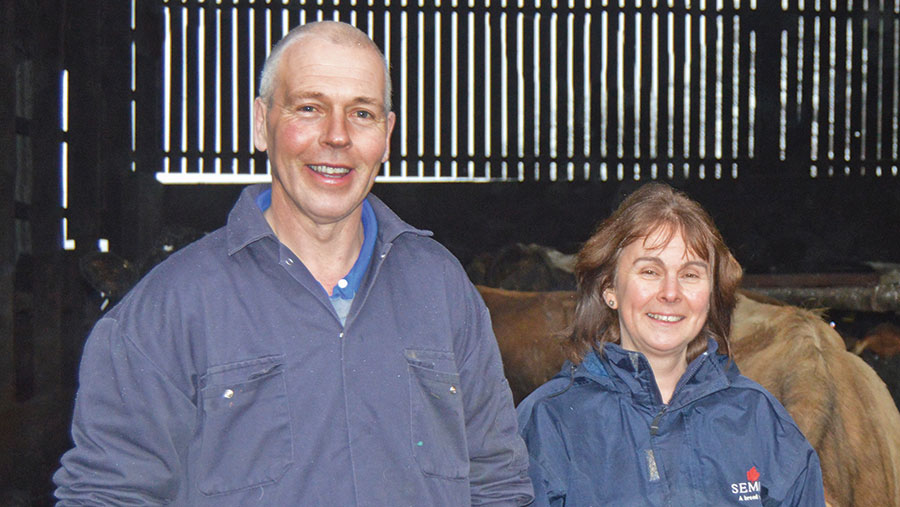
(528, 327)
(837, 400)
(883, 340)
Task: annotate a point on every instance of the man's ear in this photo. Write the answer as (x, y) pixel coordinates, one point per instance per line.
(260, 135)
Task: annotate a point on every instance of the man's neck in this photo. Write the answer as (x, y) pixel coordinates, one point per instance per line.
(327, 250)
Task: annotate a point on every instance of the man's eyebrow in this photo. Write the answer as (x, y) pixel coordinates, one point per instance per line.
(305, 95)
(302, 95)
(366, 100)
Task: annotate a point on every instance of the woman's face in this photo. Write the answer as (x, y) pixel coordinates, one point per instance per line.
(661, 295)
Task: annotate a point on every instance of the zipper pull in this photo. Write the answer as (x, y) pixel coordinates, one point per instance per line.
(654, 426)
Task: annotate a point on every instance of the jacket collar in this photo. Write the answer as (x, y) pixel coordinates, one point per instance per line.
(627, 371)
(246, 223)
(390, 226)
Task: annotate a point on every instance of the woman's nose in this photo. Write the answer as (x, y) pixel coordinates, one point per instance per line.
(670, 291)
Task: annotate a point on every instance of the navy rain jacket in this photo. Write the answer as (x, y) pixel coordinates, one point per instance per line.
(599, 434)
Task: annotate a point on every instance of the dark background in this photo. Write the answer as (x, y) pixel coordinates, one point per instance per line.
(802, 226)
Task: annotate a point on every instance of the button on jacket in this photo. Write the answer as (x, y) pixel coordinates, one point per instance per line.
(226, 378)
(599, 434)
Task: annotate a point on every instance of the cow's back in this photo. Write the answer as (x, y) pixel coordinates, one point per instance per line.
(529, 327)
(840, 404)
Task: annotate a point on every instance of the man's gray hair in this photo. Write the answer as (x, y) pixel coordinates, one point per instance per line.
(332, 31)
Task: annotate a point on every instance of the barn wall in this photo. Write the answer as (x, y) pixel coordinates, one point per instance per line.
(32, 66)
(773, 225)
(7, 202)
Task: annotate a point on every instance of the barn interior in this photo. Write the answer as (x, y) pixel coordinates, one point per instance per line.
(124, 129)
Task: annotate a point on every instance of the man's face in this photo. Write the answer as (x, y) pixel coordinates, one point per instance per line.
(326, 131)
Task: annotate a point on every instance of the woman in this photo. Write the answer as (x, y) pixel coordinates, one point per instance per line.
(652, 411)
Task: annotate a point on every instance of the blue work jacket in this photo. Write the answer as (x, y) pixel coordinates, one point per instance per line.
(599, 434)
(226, 378)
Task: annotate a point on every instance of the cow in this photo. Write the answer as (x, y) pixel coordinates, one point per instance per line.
(524, 267)
(837, 400)
(528, 327)
(883, 340)
(880, 349)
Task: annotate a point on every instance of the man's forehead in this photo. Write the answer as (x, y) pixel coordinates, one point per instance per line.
(304, 67)
(348, 65)
(316, 50)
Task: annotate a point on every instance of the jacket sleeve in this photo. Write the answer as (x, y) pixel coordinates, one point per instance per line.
(130, 427)
(498, 460)
(808, 488)
(545, 450)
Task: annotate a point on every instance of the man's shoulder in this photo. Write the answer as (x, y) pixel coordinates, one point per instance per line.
(196, 264)
(413, 247)
(423, 245)
(193, 260)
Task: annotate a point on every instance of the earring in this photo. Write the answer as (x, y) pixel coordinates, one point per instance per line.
(612, 304)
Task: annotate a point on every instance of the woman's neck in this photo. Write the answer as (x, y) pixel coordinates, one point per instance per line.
(667, 371)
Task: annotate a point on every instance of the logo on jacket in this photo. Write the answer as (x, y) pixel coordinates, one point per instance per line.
(749, 490)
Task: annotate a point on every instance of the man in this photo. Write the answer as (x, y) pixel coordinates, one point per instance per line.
(316, 350)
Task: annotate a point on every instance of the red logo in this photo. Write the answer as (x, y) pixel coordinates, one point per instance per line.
(752, 475)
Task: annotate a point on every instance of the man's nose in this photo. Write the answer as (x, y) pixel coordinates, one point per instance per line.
(336, 133)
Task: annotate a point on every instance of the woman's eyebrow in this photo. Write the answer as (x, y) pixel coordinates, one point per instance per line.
(657, 260)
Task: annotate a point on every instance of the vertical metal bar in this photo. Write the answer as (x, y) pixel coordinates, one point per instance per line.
(430, 93)
(242, 88)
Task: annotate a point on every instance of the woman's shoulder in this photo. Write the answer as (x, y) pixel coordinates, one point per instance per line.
(566, 394)
(759, 403)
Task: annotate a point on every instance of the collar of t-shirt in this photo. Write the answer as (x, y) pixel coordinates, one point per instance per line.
(348, 285)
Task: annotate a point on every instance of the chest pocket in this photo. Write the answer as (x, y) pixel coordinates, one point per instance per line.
(436, 414)
(246, 428)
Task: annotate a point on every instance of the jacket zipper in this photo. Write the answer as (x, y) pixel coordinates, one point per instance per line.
(654, 426)
(652, 469)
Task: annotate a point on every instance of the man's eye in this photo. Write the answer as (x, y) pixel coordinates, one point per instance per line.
(306, 109)
(365, 115)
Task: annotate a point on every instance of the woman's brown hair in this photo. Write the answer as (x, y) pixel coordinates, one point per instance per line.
(653, 207)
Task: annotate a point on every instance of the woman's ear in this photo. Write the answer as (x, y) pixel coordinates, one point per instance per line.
(609, 295)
